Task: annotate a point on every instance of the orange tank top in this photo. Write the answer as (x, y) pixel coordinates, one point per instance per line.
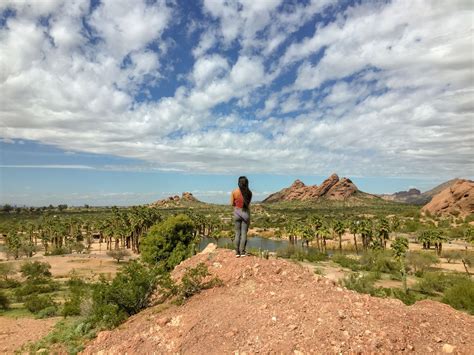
(237, 198)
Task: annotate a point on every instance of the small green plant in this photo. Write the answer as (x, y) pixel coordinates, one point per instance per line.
(118, 254)
(461, 295)
(346, 262)
(420, 261)
(4, 301)
(451, 256)
(36, 303)
(127, 294)
(193, 282)
(35, 270)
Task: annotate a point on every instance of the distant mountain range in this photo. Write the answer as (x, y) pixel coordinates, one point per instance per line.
(415, 196)
(186, 200)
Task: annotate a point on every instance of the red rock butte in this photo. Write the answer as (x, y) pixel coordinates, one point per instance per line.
(333, 188)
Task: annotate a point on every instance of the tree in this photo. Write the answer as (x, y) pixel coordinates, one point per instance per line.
(338, 228)
(169, 242)
(354, 229)
(35, 270)
(118, 254)
(7, 269)
(384, 232)
(400, 247)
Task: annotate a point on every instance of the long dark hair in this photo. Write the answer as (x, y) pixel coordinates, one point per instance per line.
(245, 191)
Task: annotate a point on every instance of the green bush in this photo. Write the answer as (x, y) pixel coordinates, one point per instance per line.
(379, 261)
(72, 306)
(10, 283)
(35, 270)
(169, 242)
(47, 312)
(360, 283)
(452, 255)
(408, 298)
(58, 251)
(36, 303)
(127, 294)
(346, 262)
(461, 295)
(438, 282)
(420, 261)
(4, 301)
(193, 282)
(35, 287)
(118, 254)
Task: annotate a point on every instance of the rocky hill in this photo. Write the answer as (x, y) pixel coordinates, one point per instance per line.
(277, 306)
(333, 188)
(457, 199)
(187, 199)
(415, 196)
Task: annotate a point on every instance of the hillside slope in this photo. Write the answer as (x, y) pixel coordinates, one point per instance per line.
(278, 306)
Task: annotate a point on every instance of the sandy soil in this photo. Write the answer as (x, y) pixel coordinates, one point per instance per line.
(14, 333)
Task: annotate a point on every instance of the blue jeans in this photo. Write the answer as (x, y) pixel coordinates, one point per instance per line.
(242, 222)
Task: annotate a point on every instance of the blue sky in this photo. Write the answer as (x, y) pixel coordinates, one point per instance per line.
(125, 102)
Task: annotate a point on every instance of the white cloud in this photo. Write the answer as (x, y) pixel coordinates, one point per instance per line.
(390, 95)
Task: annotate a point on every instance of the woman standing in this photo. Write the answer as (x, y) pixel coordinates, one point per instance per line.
(240, 198)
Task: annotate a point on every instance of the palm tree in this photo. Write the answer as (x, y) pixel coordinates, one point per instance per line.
(354, 229)
(400, 247)
(384, 232)
(338, 228)
(366, 232)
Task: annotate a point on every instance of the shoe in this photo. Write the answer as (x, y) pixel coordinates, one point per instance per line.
(237, 255)
(242, 255)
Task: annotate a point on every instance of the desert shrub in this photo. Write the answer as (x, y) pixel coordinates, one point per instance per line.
(4, 301)
(451, 255)
(420, 261)
(315, 255)
(35, 270)
(10, 283)
(360, 283)
(6, 270)
(118, 254)
(34, 287)
(58, 251)
(169, 242)
(438, 282)
(378, 261)
(78, 290)
(408, 298)
(127, 294)
(193, 282)
(461, 295)
(346, 262)
(47, 312)
(36, 303)
(287, 252)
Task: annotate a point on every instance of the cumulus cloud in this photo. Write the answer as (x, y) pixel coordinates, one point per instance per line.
(370, 89)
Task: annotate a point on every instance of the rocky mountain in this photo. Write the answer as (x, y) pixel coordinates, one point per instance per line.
(186, 199)
(277, 306)
(456, 199)
(414, 196)
(333, 188)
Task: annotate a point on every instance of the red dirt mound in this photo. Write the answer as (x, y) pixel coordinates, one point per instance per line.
(276, 306)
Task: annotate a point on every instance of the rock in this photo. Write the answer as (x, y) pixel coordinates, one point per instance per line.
(211, 247)
(163, 321)
(332, 188)
(456, 199)
(448, 348)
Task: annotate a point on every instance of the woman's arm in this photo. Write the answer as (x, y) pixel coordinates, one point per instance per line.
(232, 198)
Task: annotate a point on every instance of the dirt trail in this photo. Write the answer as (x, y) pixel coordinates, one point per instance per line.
(270, 306)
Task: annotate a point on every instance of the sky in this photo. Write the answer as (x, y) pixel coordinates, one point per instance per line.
(125, 102)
